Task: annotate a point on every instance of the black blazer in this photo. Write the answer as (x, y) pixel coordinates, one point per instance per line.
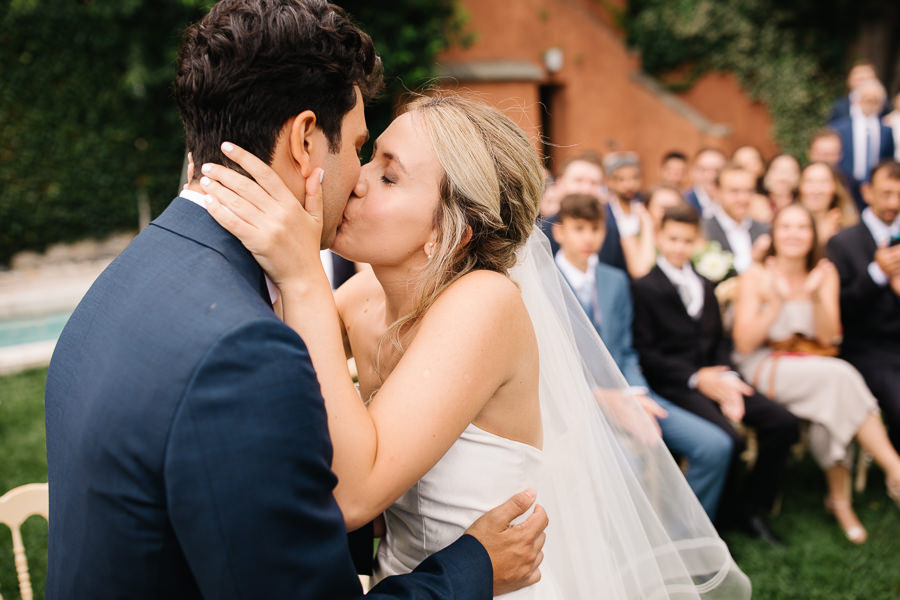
(870, 313)
(672, 346)
(187, 442)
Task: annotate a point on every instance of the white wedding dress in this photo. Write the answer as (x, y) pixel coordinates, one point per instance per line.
(624, 524)
(478, 472)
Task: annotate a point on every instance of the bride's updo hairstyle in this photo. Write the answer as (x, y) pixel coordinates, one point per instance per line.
(489, 193)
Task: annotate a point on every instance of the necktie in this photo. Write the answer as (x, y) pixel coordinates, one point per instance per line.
(684, 291)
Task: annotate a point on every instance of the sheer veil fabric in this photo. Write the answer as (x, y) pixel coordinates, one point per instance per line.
(623, 522)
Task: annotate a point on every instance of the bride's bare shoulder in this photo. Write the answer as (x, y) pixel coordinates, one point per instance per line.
(489, 293)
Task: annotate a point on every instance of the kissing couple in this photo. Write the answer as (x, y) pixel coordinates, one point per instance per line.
(204, 435)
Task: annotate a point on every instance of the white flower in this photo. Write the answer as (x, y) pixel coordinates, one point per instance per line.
(713, 262)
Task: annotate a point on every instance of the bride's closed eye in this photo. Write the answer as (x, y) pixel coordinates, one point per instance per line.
(385, 179)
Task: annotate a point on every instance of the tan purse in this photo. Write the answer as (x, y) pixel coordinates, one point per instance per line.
(796, 344)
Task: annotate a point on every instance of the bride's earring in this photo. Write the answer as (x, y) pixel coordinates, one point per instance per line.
(429, 247)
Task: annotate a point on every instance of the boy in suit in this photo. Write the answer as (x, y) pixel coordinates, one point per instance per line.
(679, 339)
(867, 257)
(604, 293)
(187, 442)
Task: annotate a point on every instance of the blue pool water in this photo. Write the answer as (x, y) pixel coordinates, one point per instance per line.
(39, 328)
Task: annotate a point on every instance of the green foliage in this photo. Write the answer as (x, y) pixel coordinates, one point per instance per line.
(791, 56)
(87, 120)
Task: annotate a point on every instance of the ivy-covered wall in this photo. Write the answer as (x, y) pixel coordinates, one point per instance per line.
(87, 121)
(791, 56)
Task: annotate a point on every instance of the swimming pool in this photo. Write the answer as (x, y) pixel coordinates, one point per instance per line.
(20, 330)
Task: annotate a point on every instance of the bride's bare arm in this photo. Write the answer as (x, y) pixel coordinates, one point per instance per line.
(462, 353)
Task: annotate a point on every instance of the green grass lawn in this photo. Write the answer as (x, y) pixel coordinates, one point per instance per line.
(818, 564)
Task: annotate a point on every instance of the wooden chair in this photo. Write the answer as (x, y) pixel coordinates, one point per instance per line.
(16, 506)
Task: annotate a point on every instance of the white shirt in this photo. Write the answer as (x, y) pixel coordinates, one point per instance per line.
(865, 129)
(628, 225)
(688, 284)
(738, 235)
(199, 199)
(881, 233)
(583, 282)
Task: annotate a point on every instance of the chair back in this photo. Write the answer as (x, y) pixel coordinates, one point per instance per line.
(16, 506)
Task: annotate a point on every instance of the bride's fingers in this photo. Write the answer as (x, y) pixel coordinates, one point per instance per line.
(237, 205)
(267, 179)
(239, 185)
(231, 222)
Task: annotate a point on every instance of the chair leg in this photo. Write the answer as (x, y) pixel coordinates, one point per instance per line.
(863, 461)
(21, 565)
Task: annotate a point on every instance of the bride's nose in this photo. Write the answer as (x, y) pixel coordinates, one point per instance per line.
(362, 186)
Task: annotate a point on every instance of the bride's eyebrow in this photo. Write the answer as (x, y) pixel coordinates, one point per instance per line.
(389, 157)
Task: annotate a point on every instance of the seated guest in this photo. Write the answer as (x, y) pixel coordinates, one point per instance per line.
(867, 257)
(673, 169)
(604, 293)
(658, 200)
(685, 358)
(730, 224)
(780, 182)
(704, 170)
(786, 329)
(751, 159)
(865, 140)
(627, 214)
(823, 194)
(825, 147)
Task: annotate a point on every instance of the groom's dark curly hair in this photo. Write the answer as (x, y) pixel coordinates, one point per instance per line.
(250, 65)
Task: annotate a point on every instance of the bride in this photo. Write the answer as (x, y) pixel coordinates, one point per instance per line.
(479, 372)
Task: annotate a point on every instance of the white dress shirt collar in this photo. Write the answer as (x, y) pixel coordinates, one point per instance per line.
(584, 283)
(200, 200)
(687, 282)
(881, 231)
(739, 238)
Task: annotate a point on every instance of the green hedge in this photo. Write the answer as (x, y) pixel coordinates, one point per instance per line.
(792, 56)
(87, 120)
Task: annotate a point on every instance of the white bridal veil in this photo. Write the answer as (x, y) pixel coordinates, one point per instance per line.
(623, 522)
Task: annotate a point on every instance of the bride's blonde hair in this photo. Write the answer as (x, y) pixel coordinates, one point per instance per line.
(489, 194)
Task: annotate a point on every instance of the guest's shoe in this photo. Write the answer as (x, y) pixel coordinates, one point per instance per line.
(756, 526)
(847, 519)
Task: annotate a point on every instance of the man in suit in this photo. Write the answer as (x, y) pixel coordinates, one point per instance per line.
(187, 442)
(841, 107)
(867, 257)
(865, 140)
(604, 293)
(704, 170)
(729, 223)
(684, 355)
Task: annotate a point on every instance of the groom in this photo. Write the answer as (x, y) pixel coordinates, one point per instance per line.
(187, 442)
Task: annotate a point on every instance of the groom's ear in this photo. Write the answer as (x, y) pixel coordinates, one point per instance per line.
(304, 141)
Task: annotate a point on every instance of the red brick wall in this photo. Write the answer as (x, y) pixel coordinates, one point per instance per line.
(600, 105)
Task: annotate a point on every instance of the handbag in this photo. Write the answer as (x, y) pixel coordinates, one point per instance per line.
(797, 344)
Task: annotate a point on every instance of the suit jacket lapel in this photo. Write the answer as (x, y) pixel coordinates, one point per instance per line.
(671, 295)
(187, 219)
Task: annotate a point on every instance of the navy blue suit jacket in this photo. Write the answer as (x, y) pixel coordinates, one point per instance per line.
(844, 129)
(187, 442)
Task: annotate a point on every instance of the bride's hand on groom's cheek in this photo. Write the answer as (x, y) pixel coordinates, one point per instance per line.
(282, 233)
(516, 551)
